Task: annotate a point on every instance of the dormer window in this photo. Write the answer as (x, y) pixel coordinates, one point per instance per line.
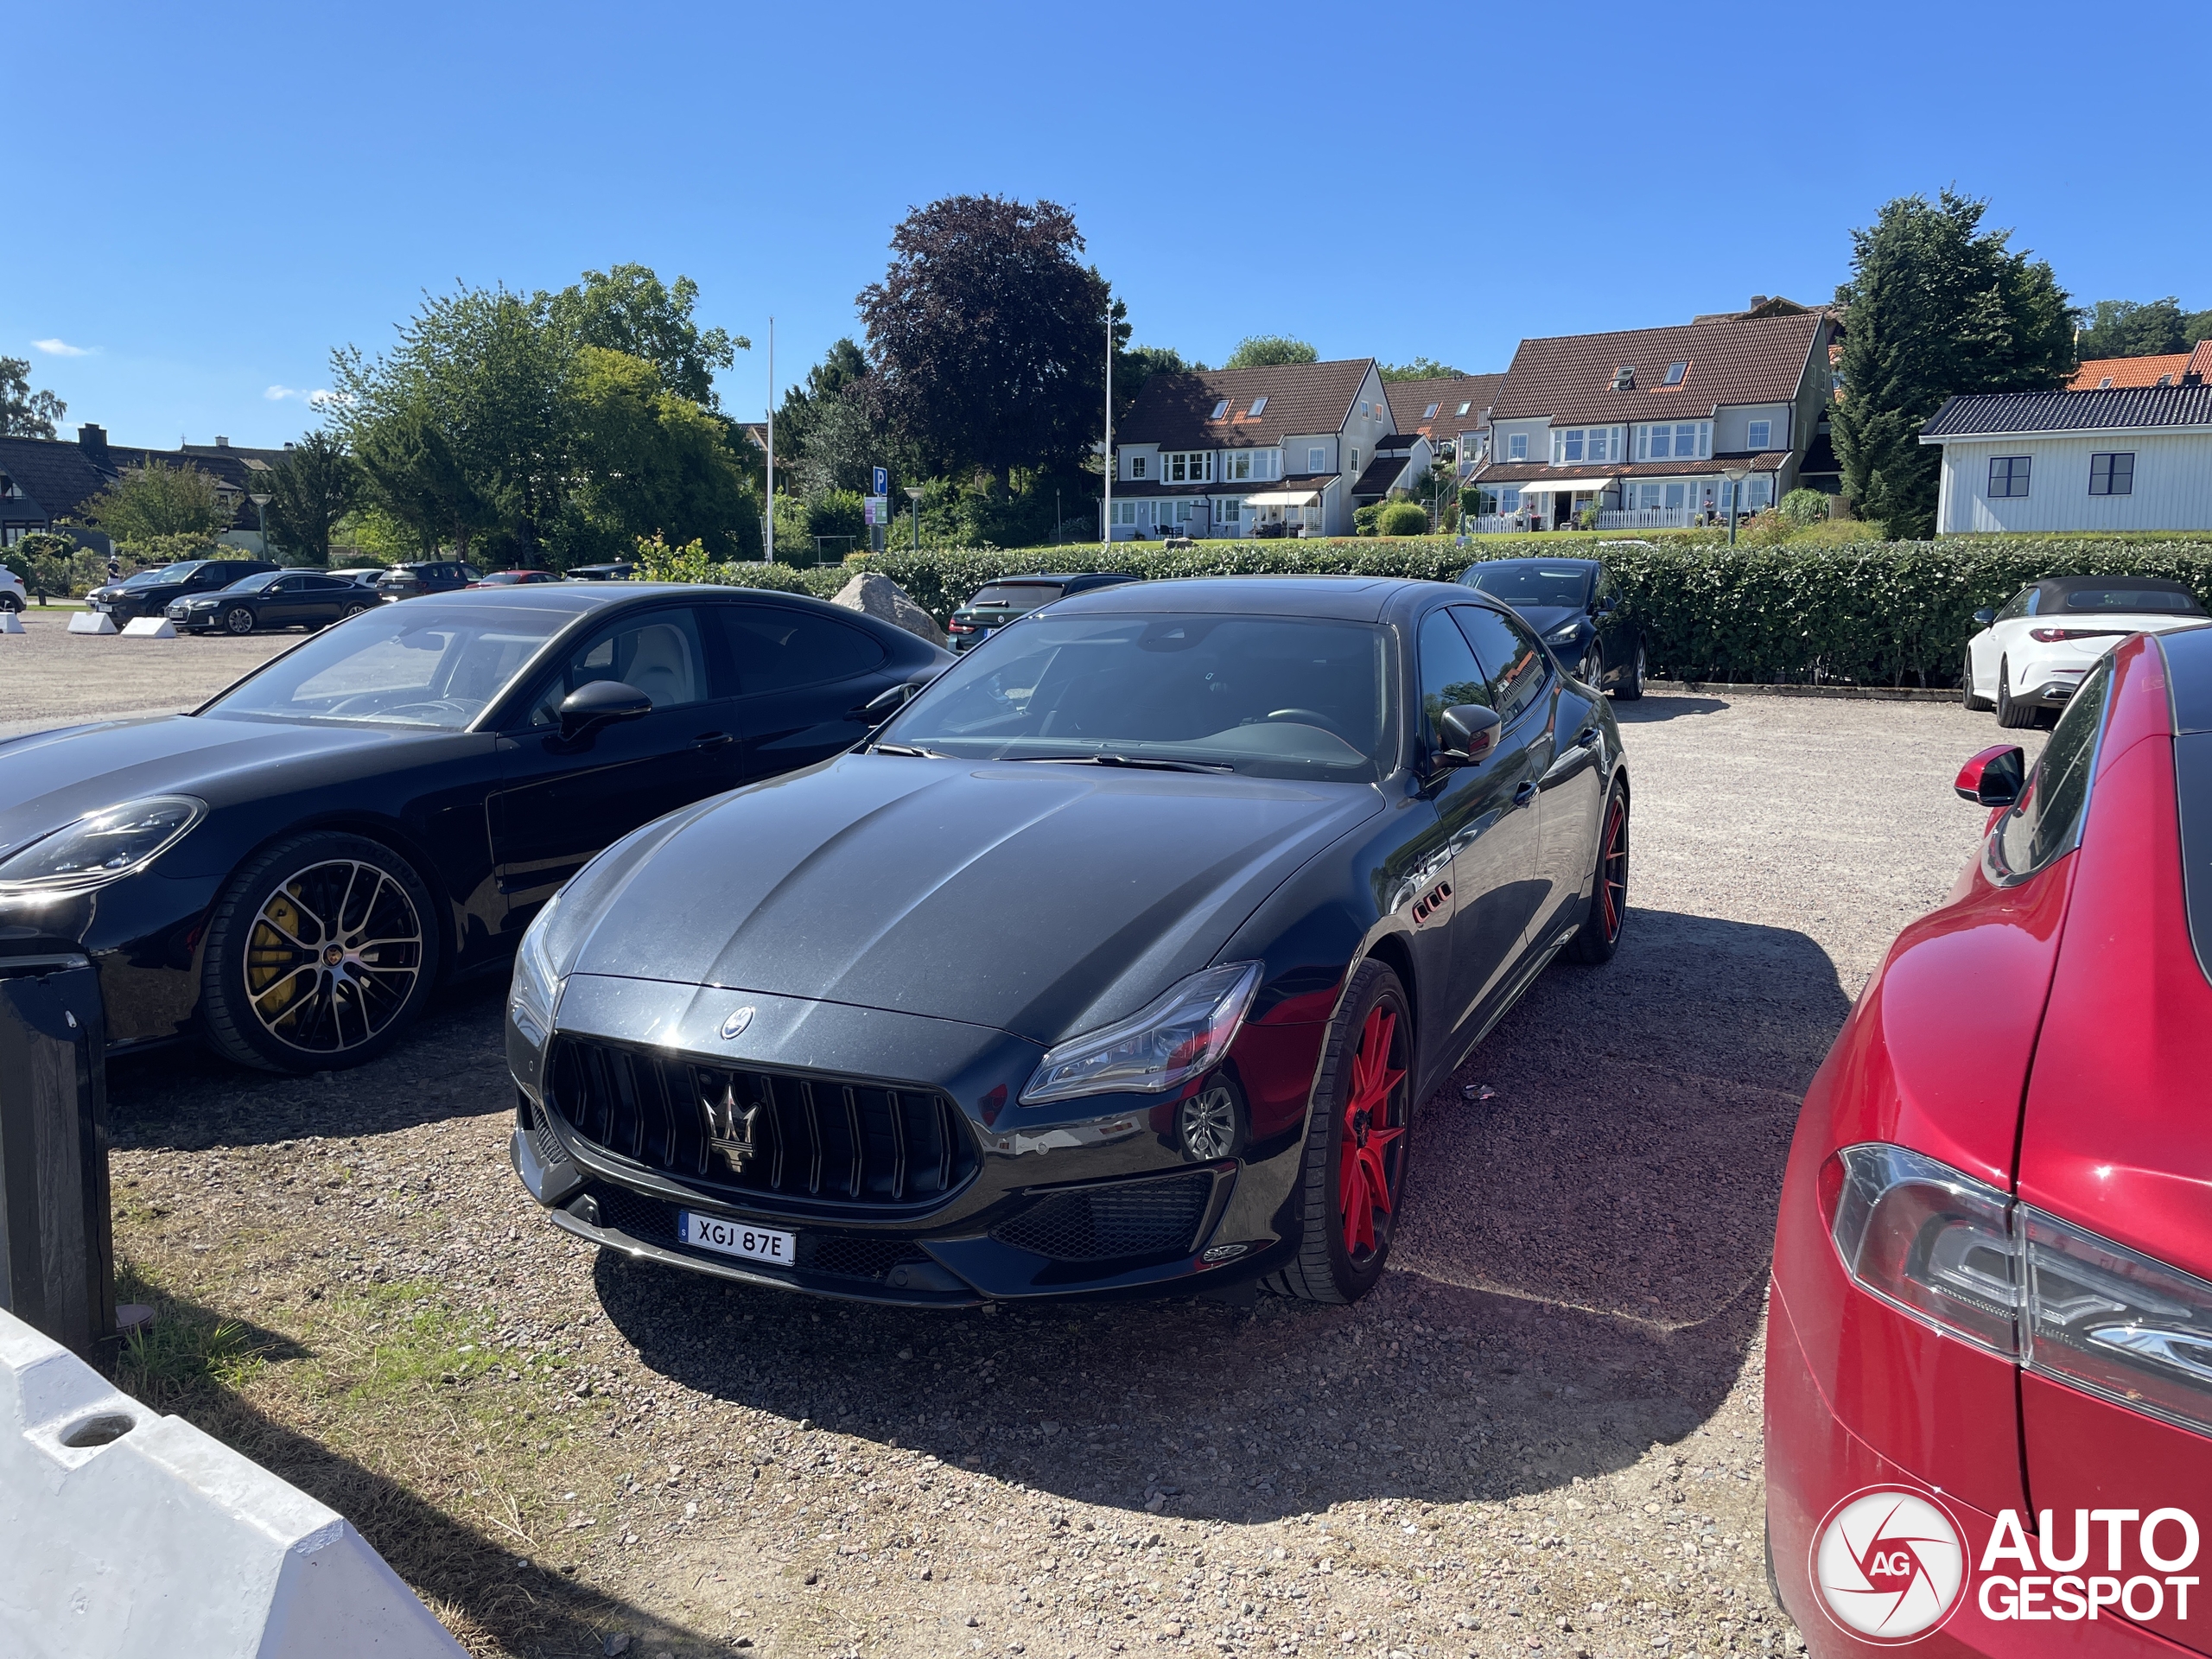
(1625, 378)
(1136, 466)
(1675, 372)
(1259, 404)
(1431, 415)
(2104, 384)
(1220, 411)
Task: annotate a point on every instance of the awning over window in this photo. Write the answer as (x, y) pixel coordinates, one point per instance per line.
(1284, 499)
(1555, 485)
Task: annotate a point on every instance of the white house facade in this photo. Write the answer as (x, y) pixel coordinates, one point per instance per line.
(2126, 458)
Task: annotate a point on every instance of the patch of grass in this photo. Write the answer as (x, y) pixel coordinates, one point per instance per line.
(187, 1353)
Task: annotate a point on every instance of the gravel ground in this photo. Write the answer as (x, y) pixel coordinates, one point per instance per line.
(49, 676)
(1540, 1435)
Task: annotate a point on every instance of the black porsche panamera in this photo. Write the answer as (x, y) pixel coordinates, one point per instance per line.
(288, 870)
(1119, 957)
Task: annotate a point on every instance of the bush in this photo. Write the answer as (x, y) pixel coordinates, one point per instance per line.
(1403, 518)
(1362, 518)
(1804, 506)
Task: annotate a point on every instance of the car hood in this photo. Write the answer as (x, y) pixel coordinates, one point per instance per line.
(51, 778)
(1035, 898)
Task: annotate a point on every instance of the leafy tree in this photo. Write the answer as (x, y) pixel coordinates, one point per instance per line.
(1420, 368)
(629, 309)
(1137, 364)
(653, 461)
(42, 559)
(2123, 329)
(1267, 351)
(417, 478)
(25, 413)
(988, 335)
(2197, 325)
(315, 486)
(1938, 308)
(843, 365)
(158, 499)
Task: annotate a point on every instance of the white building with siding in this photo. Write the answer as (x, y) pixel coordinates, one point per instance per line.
(2129, 458)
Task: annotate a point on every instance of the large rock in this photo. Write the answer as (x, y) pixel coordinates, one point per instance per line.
(879, 596)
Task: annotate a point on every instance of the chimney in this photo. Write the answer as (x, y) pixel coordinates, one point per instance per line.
(222, 442)
(1758, 300)
(92, 440)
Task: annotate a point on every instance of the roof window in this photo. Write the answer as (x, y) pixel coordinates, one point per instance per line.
(1432, 412)
(1258, 405)
(1465, 407)
(2165, 380)
(1220, 411)
(1625, 378)
(2104, 382)
(1676, 372)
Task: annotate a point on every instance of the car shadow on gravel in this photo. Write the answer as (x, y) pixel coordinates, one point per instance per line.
(1581, 1273)
(1652, 707)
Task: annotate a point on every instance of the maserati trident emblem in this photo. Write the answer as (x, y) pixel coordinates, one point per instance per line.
(729, 1127)
(735, 1025)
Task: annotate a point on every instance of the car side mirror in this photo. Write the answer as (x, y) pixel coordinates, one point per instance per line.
(1470, 731)
(1606, 606)
(602, 703)
(885, 703)
(1996, 777)
(1983, 617)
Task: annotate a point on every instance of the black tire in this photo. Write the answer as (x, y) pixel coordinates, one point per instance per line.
(1599, 935)
(11, 603)
(1340, 1257)
(1629, 687)
(1974, 704)
(1591, 670)
(238, 618)
(353, 611)
(2010, 713)
(272, 996)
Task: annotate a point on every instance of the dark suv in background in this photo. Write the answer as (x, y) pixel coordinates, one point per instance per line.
(437, 576)
(150, 592)
(997, 603)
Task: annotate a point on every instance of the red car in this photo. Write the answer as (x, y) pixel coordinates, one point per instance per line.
(1989, 1349)
(513, 578)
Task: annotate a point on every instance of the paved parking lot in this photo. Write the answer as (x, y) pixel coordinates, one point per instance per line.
(1539, 1436)
(49, 676)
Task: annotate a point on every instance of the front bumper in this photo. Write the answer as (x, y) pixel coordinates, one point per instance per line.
(1096, 1198)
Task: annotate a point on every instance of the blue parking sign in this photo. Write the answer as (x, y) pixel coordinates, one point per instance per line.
(882, 481)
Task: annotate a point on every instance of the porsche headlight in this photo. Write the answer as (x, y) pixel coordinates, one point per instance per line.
(537, 988)
(1173, 1039)
(102, 846)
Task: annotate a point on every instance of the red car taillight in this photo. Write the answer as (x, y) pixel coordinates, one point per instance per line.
(1961, 1255)
(2052, 636)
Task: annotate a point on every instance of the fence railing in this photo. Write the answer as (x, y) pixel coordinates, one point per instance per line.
(1648, 519)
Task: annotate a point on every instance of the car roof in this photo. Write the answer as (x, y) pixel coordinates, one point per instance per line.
(1351, 599)
(1053, 578)
(2064, 587)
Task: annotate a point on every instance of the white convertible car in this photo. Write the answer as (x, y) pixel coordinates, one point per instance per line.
(2031, 654)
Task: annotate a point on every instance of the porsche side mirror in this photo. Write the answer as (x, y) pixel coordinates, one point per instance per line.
(603, 702)
(1996, 777)
(880, 707)
(1983, 617)
(1470, 731)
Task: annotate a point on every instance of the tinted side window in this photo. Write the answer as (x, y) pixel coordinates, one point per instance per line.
(1449, 675)
(657, 652)
(2048, 820)
(774, 649)
(1512, 661)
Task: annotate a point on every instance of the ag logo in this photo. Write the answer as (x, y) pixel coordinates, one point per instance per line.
(1890, 1564)
(735, 1025)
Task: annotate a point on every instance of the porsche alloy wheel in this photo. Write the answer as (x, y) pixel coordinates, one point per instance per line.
(320, 953)
(1356, 1143)
(1600, 933)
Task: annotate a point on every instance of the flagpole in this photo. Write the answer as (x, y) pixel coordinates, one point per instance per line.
(768, 528)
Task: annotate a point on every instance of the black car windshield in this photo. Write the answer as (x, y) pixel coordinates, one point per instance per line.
(1523, 585)
(166, 573)
(1270, 697)
(254, 583)
(1014, 596)
(403, 665)
(2132, 599)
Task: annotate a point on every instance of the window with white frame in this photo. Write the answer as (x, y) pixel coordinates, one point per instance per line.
(1136, 466)
(1757, 434)
(2008, 476)
(1229, 510)
(1517, 447)
(1578, 443)
(2112, 474)
(1679, 441)
(1125, 512)
(1509, 499)
(1317, 460)
(1187, 466)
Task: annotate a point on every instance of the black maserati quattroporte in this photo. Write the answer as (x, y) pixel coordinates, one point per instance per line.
(1119, 957)
(289, 870)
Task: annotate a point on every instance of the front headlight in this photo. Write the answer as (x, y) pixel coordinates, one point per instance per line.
(536, 989)
(1563, 636)
(1173, 1039)
(200, 604)
(102, 846)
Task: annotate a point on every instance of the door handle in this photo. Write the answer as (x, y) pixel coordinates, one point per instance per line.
(1526, 794)
(1585, 738)
(711, 740)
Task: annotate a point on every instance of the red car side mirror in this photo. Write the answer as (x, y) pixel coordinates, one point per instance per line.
(1996, 777)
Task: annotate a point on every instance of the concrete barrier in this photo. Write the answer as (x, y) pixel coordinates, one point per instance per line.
(9, 622)
(149, 627)
(130, 1536)
(91, 622)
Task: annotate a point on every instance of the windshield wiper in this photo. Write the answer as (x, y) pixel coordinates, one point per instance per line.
(902, 748)
(1142, 762)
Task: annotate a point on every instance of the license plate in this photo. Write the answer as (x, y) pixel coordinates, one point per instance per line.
(734, 1238)
(99, 605)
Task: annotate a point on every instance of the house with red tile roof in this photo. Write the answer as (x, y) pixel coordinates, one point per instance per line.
(1646, 424)
(2188, 368)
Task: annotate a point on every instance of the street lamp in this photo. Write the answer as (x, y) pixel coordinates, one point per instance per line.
(914, 495)
(1735, 475)
(261, 502)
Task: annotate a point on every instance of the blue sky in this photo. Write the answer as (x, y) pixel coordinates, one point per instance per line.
(226, 193)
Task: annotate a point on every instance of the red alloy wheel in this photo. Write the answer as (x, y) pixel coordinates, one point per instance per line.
(1613, 884)
(1362, 1174)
